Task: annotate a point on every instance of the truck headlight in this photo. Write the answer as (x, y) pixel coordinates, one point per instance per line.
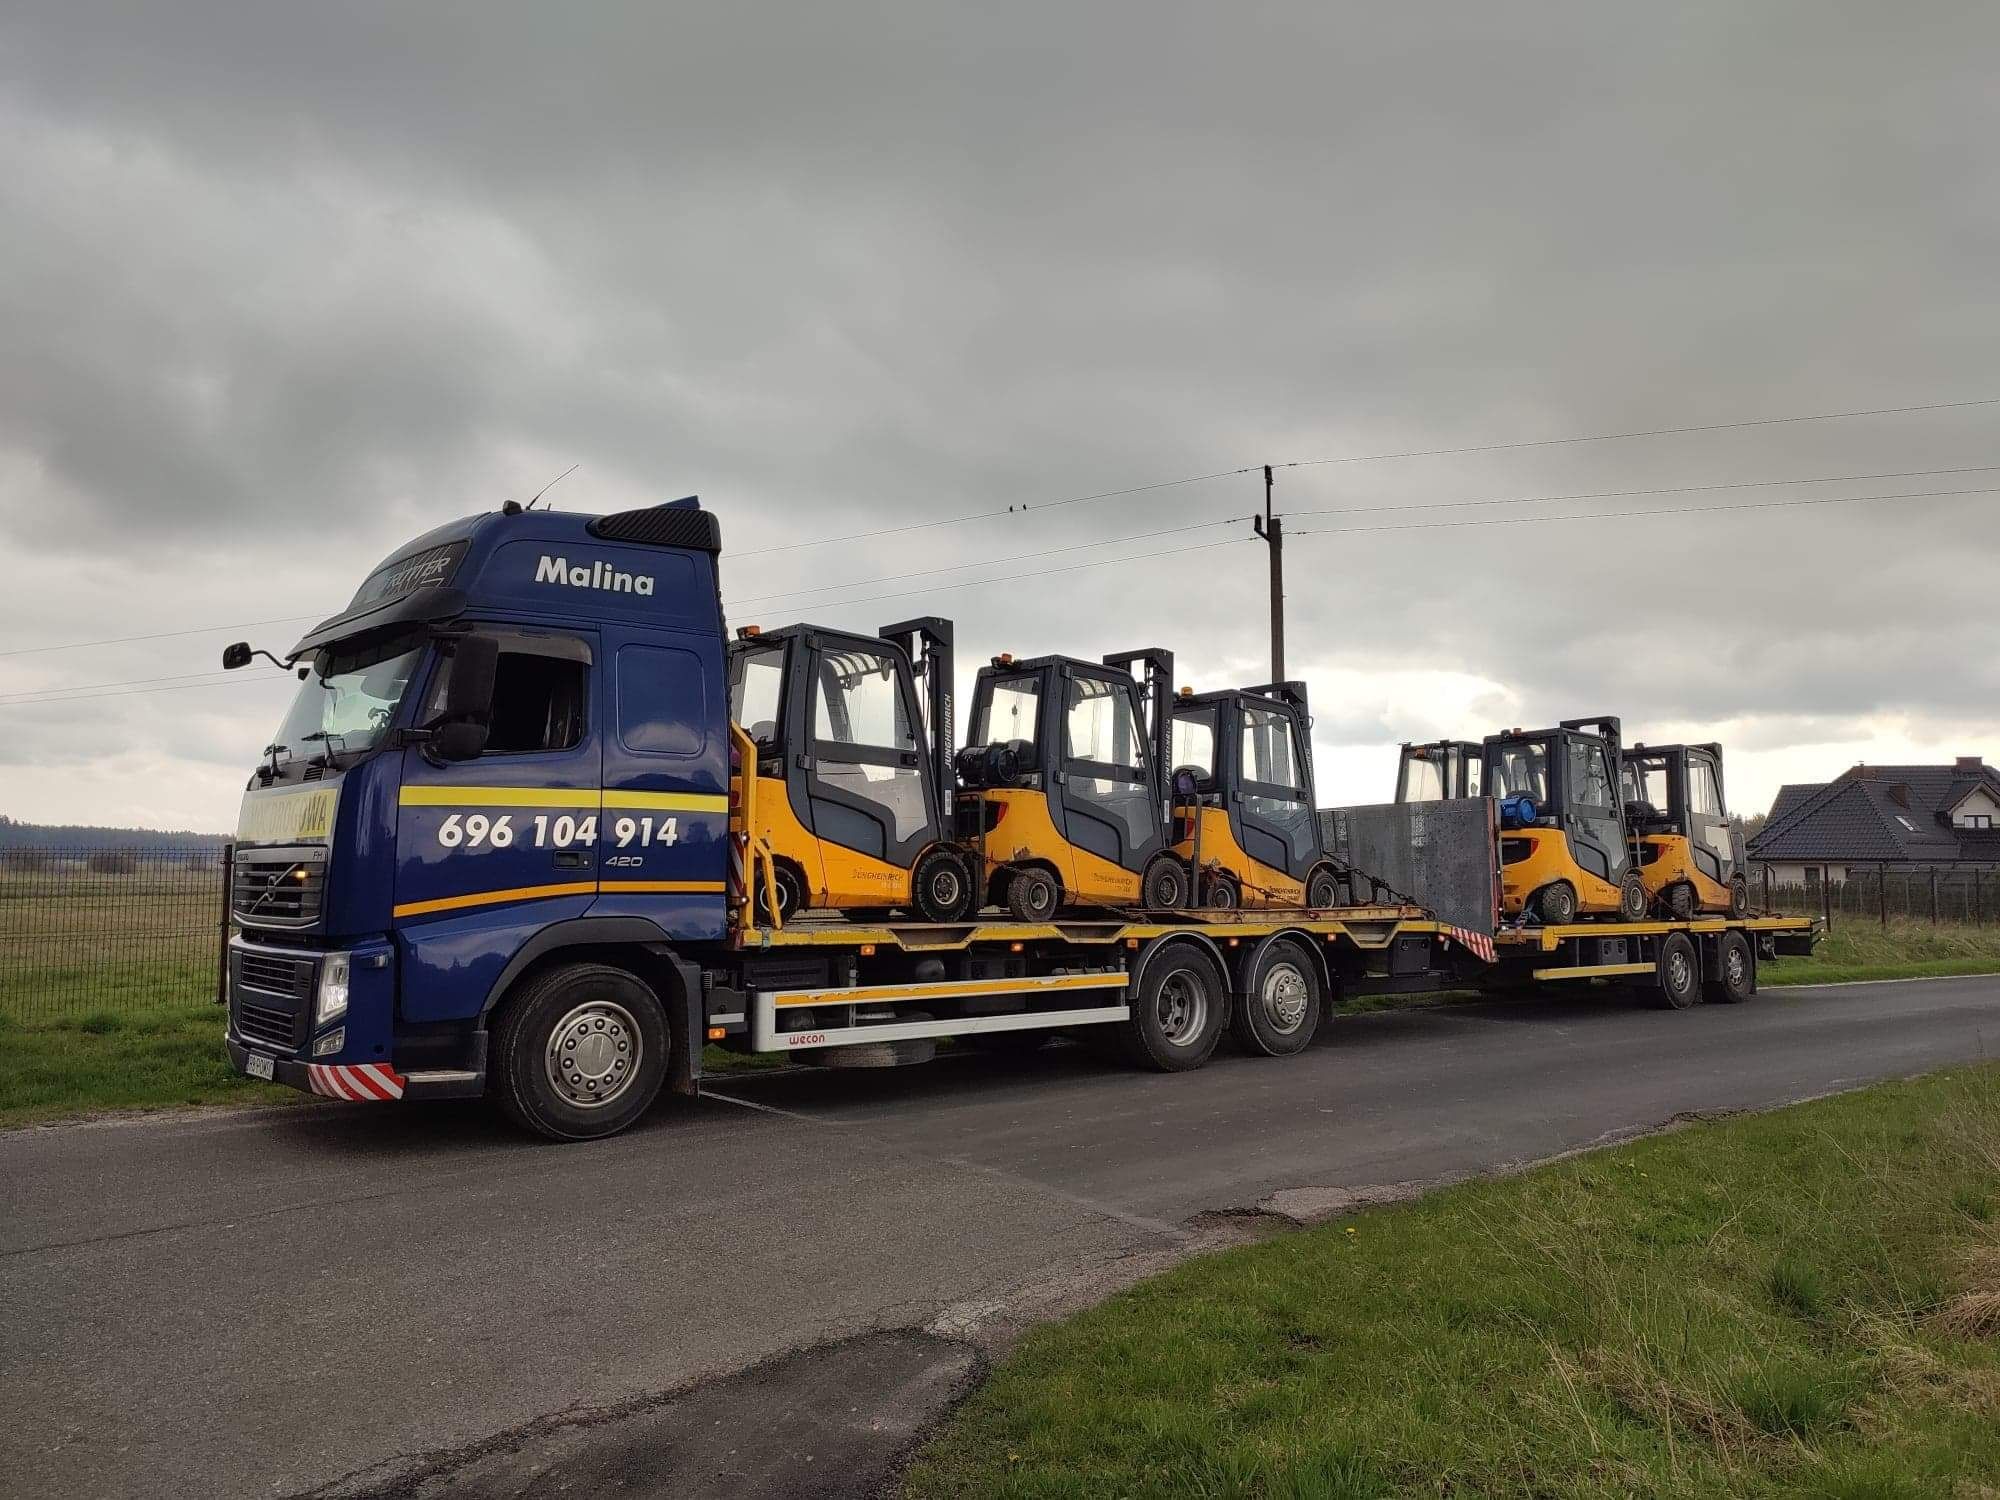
(332, 1003)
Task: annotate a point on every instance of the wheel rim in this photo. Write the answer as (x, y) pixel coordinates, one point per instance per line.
(1679, 971)
(1041, 897)
(593, 1054)
(944, 887)
(1733, 966)
(1284, 996)
(1183, 1008)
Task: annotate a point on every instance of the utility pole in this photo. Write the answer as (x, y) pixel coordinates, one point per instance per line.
(1272, 529)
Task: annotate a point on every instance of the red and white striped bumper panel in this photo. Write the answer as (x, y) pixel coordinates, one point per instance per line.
(1478, 942)
(360, 1082)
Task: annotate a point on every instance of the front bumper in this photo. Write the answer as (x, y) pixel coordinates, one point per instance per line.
(374, 1082)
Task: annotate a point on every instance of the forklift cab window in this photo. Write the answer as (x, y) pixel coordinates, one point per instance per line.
(1274, 782)
(1522, 770)
(1646, 781)
(753, 697)
(1589, 781)
(1194, 741)
(1009, 717)
(1105, 754)
(862, 735)
(1703, 794)
(1269, 757)
(1423, 780)
(1101, 725)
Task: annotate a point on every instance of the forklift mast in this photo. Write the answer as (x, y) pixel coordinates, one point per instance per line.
(927, 642)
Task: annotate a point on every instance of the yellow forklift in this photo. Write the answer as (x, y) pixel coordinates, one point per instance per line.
(1245, 823)
(1064, 784)
(1441, 771)
(852, 805)
(1565, 849)
(1690, 853)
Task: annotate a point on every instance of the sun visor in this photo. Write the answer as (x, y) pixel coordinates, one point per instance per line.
(421, 606)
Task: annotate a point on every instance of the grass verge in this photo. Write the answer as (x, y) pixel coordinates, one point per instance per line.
(1858, 949)
(1806, 1302)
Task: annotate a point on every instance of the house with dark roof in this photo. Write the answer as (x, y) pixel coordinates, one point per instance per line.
(1883, 816)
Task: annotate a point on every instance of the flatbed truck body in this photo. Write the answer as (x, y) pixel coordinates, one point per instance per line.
(498, 848)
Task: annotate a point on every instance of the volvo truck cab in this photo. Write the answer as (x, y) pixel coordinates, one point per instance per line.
(1245, 824)
(1064, 783)
(851, 737)
(1565, 850)
(1690, 853)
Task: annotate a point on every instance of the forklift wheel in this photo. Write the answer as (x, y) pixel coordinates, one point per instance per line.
(1032, 895)
(1632, 898)
(1165, 885)
(1680, 901)
(1222, 894)
(942, 885)
(1323, 889)
(1555, 904)
(1739, 897)
(791, 896)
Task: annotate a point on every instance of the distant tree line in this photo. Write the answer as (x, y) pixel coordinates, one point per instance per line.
(15, 834)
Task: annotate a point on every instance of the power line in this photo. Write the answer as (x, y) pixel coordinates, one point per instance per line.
(158, 635)
(134, 691)
(1113, 541)
(1609, 437)
(1621, 515)
(1677, 489)
(83, 687)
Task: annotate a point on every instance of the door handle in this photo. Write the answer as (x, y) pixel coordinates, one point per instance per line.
(572, 861)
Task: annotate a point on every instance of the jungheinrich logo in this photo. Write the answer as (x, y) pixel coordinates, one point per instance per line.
(598, 575)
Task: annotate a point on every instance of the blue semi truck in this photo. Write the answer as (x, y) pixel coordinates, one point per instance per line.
(496, 848)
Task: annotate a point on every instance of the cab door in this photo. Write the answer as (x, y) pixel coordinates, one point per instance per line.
(490, 848)
(864, 774)
(1272, 800)
(1106, 781)
(1596, 822)
(1709, 833)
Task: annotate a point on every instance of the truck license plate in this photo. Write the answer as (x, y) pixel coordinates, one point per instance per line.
(259, 1066)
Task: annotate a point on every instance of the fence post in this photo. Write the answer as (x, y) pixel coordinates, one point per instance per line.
(1825, 898)
(222, 940)
(1978, 907)
(1934, 915)
(1882, 892)
(1767, 888)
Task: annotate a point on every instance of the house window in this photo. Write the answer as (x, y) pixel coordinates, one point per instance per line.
(1977, 820)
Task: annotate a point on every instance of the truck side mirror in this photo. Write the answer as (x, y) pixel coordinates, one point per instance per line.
(465, 719)
(237, 655)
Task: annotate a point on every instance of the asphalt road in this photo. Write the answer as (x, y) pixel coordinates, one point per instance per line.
(268, 1302)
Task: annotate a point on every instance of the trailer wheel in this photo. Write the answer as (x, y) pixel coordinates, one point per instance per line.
(942, 885)
(1632, 897)
(1282, 1009)
(1680, 901)
(580, 1051)
(1165, 884)
(1555, 904)
(1180, 1011)
(1678, 973)
(1737, 980)
(1033, 895)
(1322, 888)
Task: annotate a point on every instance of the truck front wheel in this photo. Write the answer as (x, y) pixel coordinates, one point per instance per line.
(579, 1051)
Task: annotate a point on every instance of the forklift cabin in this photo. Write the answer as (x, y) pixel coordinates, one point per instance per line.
(1690, 853)
(1064, 798)
(1440, 771)
(853, 767)
(1244, 824)
(1565, 851)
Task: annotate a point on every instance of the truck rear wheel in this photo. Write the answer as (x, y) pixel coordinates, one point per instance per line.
(579, 1051)
(1678, 973)
(1178, 1016)
(1282, 1008)
(1736, 980)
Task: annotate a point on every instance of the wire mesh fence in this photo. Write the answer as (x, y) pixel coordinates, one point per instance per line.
(1967, 894)
(84, 931)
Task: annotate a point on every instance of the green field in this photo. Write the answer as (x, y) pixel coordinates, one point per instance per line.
(1862, 948)
(1801, 1303)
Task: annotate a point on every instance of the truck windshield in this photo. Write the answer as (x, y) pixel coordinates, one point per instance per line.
(347, 700)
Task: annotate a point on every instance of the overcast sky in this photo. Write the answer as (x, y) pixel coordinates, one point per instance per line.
(284, 285)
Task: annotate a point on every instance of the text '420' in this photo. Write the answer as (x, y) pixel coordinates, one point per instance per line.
(474, 830)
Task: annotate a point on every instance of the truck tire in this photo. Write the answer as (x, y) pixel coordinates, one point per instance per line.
(1555, 904)
(1181, 1008)
(1164, 887)
(1033, 895)
(1736, 980)
(1279, 1013)
(941, 885)
(579, 1051)
(1677, 974)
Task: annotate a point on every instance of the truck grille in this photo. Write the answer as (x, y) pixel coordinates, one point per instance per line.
(270, 997)
(278, 887)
